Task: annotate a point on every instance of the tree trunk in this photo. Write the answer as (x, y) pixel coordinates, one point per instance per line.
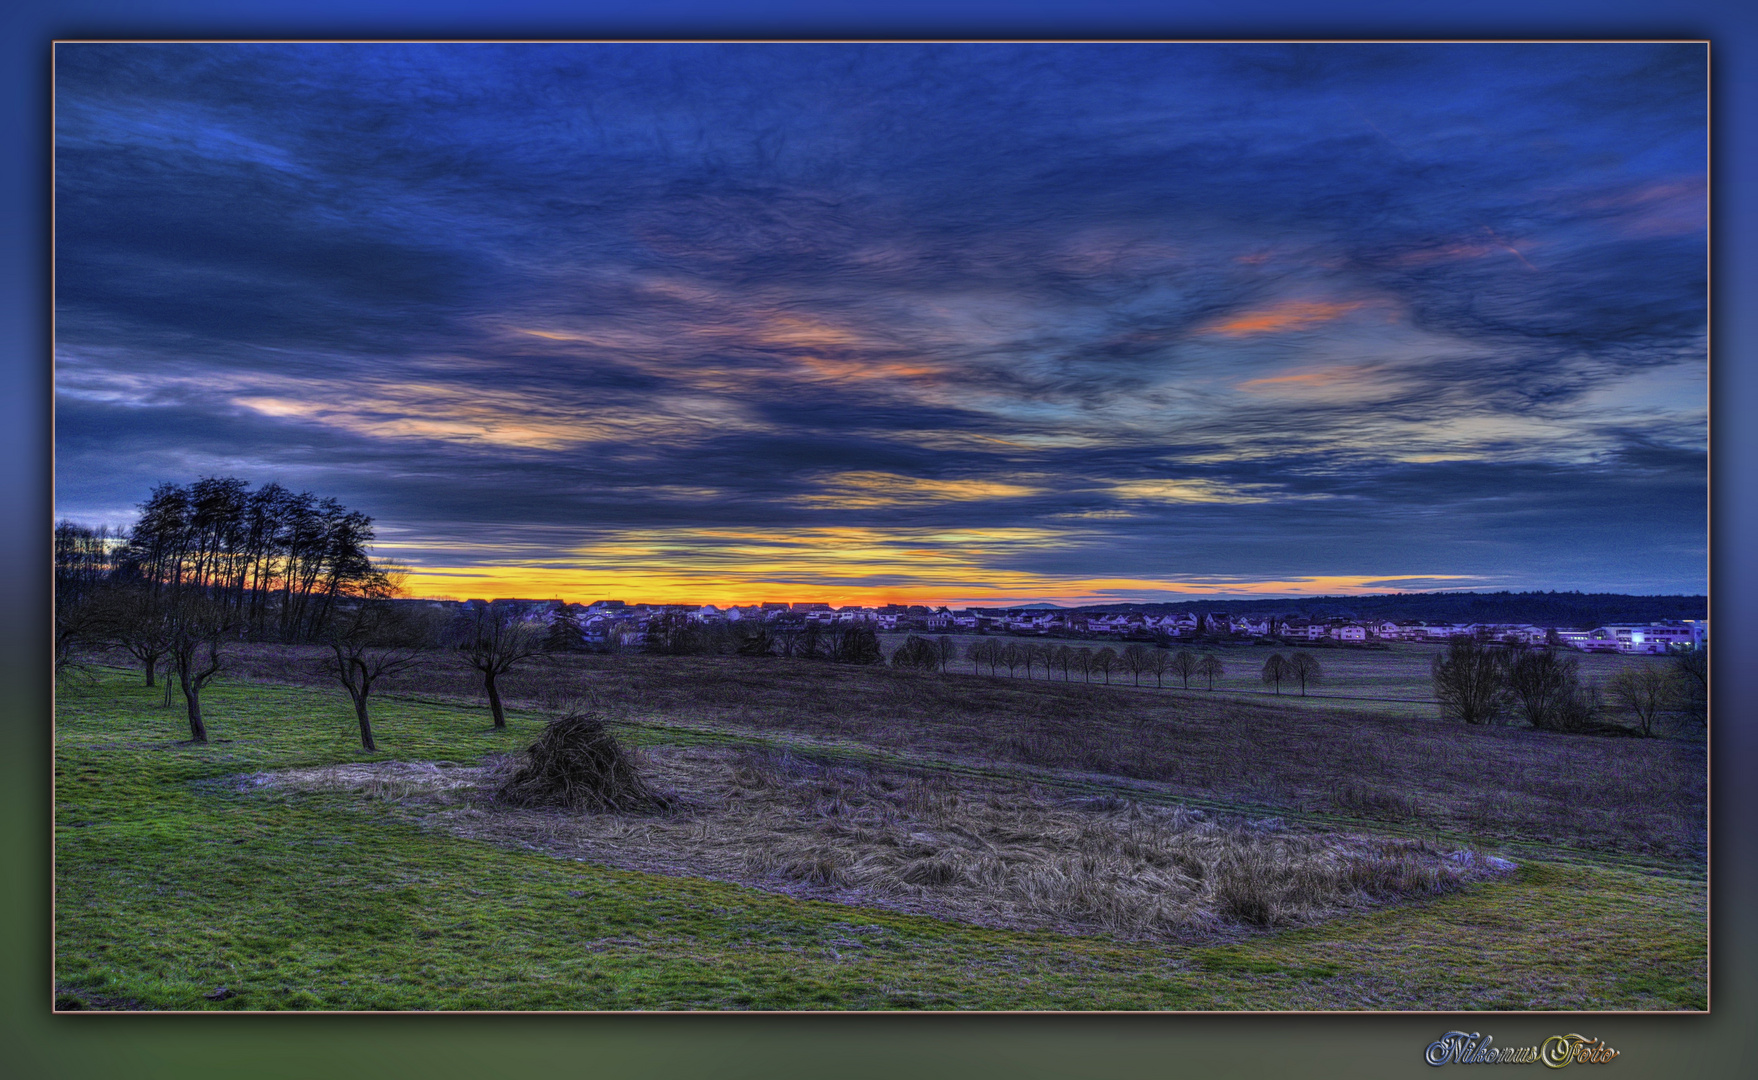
(198, 731)
(151, 663)
(494, 700)
(365, 723)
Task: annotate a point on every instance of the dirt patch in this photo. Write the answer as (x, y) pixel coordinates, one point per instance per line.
(991, 854)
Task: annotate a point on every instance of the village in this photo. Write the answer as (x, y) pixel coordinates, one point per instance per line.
(617, 626)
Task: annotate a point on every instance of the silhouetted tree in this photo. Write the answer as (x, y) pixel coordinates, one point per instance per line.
(945, 651)
(196, 626)
(1083, 662)
(493, 639)
(1542, 685)
(1105, 662)
(133, 619)
(1210, 666)
(1690, 670)
(1276, 669)
(1063, 657)
(1470, 680)
(1138, 660)
(1159, 662)
(916, 654)
(367, 644)
(1647, 693)
(1184, 665)
(563, 633)
(1304, 667)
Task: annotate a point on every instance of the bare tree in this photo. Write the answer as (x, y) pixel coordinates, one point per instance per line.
(368, 644)
(1647, 693)
(1210, 666)
(1083, 662)
(1184, 665)
(945, 652)
(1690, 670)
(916, 653)
(196, 627)
(133, 619)
(1159, 662)
(493, 639)
(1276, 669)
(1542, 685)
(1304, 667)
(1063, 657)
(1011, 658)
(1105, 661)
(1137, 660)
(1470, 681)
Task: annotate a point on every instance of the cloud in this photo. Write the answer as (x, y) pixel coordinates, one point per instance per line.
(1430, 310)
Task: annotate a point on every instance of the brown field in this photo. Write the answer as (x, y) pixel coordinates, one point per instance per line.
(1346, 761)
(1009, 855)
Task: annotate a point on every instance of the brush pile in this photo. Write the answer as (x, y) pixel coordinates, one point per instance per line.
(577, 764)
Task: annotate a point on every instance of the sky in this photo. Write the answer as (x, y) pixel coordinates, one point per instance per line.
(962, 323)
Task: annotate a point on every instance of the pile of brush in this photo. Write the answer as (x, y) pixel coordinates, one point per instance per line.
(577, 764)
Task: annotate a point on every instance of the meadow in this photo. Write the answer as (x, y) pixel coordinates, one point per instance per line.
(858, 838)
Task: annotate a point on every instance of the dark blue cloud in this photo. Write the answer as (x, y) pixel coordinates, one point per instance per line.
(1430, 309)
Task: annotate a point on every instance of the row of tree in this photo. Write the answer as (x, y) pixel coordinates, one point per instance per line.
(278, 562)
(1482, 682)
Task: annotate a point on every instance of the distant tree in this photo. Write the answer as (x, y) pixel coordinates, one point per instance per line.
(1138, 660)
(1210, 667)
(1159, 662)
(197, 625)
(1184, 665)
(1304, 668)
(493, 639)
(1084, 662)
(751, 640)
(1062, 656)
(673, 633)
(1646, 693)
(977, 652)
(853, 643)
(1105, 661)
(945, 652)
(1011, 657)
(133, 619)
(1690, 671)
(563, 633)
(369, 643)
(1542, 686)
(1277, 669)
(916, 654)
(1470, 680)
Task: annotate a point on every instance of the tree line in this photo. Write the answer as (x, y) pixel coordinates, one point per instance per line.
(1481, 682)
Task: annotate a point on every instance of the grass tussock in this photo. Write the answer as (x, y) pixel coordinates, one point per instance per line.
(1006, 856)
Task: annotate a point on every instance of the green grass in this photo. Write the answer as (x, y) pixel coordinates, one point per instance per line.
(171, 884)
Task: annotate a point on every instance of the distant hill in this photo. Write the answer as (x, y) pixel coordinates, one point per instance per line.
(1542, 608)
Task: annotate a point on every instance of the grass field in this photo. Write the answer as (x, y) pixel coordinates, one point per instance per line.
(178, 886)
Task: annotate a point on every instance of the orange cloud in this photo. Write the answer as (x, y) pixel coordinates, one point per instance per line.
(1322, 377)
(1283, 317)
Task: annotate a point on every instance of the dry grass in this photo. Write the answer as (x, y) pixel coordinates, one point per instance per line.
(1637, 796)
(577, 764)
(988, 854)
